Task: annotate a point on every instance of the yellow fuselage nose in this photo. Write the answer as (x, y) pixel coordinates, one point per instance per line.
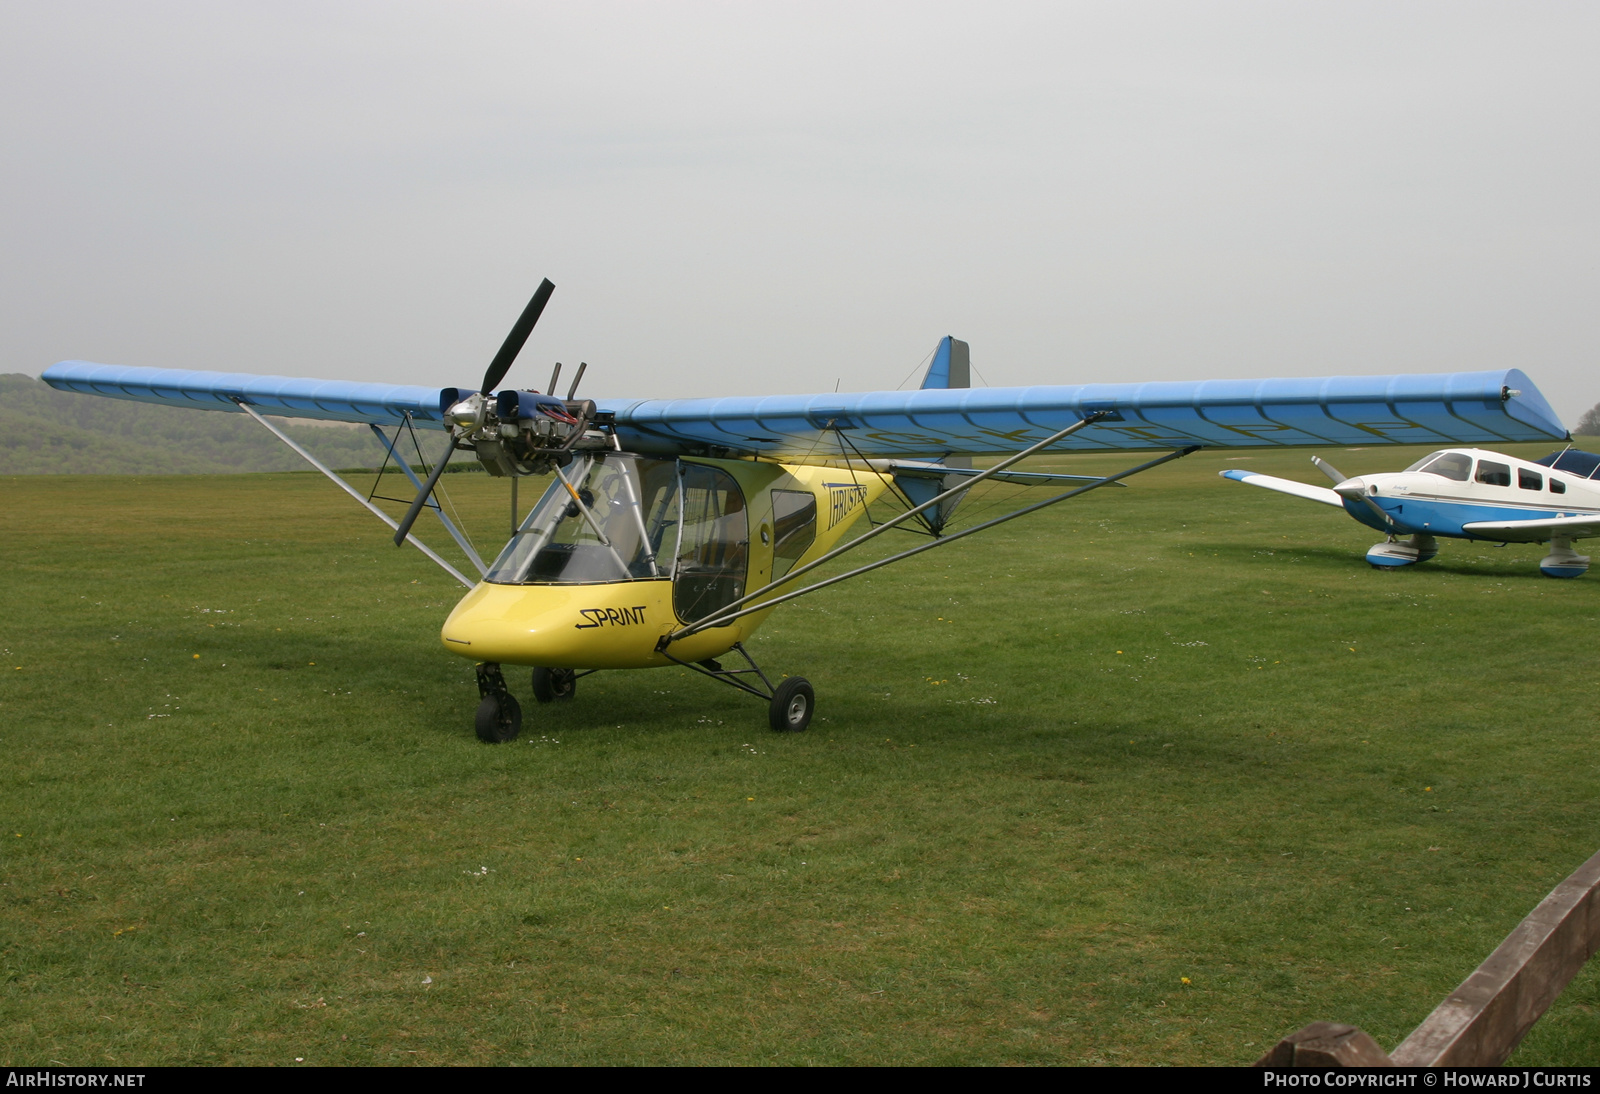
(605, 626)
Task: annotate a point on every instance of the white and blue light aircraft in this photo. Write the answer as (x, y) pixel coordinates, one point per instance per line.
(669, 529)
(1465, 493)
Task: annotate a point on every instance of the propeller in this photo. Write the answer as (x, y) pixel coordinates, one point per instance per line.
(491, 379)
(1353, 493)
(1357, 491)
(1329, 470)
(517, 338)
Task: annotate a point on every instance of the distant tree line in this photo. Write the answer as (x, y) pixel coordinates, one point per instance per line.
(1589, 424)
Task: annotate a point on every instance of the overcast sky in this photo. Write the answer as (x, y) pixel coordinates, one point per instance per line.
(770, 197)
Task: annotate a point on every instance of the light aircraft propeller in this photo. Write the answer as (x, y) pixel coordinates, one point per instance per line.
(1355, 492)
(470, 413)
(1329, 470)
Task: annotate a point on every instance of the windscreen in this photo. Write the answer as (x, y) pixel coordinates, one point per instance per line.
(1451, 465)
(603, 519)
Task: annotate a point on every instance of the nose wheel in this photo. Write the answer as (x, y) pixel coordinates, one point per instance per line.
(499, 715)
(1394, 552)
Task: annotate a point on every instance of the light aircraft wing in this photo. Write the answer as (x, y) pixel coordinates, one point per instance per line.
(1536, 531)
(1494, 407)
(285, 396)
(921, 468)
(1286, 486)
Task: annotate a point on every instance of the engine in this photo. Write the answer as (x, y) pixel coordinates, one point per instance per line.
(524, 432)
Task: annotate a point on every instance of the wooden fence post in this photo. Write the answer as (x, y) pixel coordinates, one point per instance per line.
(1481, 1023)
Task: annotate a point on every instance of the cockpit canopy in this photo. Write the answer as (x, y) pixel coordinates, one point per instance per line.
(601, 520)
(1459, 467)
(1451, 465)
(612, 516)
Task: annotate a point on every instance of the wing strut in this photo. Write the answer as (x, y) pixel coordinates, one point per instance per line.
(734, 610)
(449, 525)
(893, 522)
(353, 492)
(725, 616)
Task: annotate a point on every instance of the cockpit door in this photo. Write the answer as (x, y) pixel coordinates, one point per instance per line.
(713, 550)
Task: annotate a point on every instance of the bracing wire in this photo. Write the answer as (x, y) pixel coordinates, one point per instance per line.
(922, 364)
(392, 450)
(440, 490)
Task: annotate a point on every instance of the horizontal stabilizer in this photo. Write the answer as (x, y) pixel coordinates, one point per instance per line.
(1537, 530)
(1286, 486)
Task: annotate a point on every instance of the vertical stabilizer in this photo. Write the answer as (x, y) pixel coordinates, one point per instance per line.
(951, 366)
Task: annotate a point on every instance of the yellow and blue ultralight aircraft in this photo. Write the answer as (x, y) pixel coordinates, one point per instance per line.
(672, 528)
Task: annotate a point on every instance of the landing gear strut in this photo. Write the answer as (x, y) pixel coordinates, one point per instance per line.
(499, 717)
(789, 705)
(554, 685)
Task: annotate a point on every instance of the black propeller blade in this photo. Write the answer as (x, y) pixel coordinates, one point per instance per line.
(517, 338)
(425, 493)
(491, 380)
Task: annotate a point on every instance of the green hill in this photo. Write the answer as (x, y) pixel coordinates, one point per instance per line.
(49, 432)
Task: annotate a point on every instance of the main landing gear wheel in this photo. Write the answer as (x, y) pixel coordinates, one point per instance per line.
(554, 685)
(792, 705)
(499, 716)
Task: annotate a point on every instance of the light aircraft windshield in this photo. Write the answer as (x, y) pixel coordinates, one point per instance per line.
(602, 520)
(613, 517)
(1450, 465)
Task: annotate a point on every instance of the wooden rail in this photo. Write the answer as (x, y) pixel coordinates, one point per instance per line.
(1481, 1023)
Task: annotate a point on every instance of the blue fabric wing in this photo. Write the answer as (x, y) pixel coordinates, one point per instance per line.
(1494, 407)
(288, 396)
(1488, 408)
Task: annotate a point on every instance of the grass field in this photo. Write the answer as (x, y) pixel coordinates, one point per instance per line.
(1157, 776)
